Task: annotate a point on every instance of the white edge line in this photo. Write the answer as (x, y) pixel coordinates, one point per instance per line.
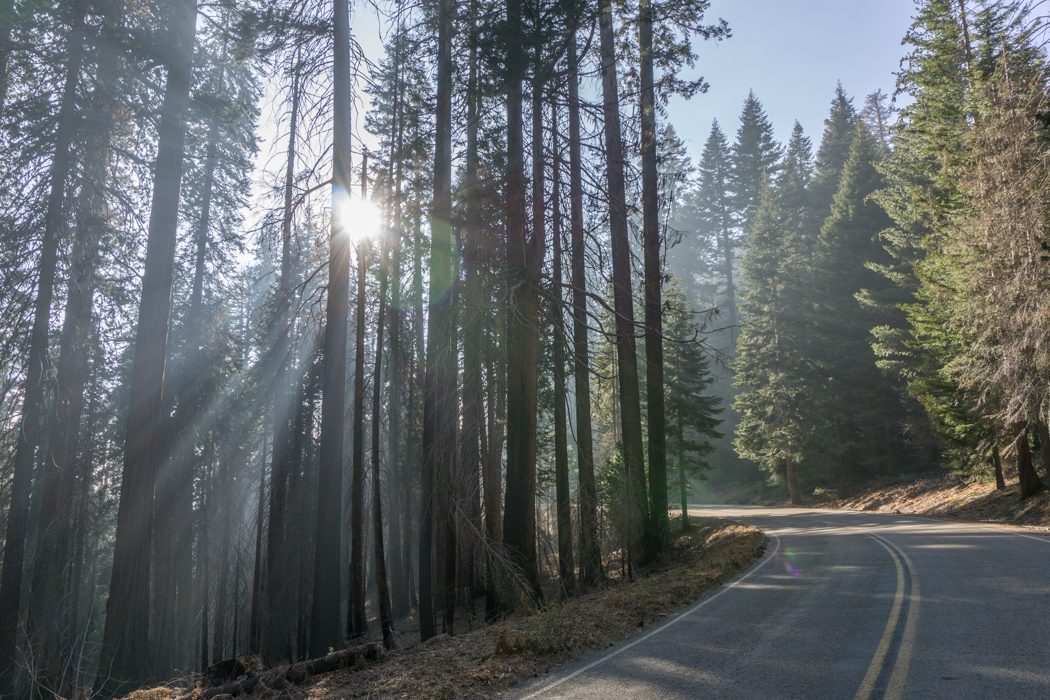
(661, 628)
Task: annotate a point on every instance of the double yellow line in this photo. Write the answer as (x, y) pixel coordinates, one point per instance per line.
(902, 658)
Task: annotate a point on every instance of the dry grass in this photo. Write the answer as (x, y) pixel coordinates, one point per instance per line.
(483, 662)
(952, 497)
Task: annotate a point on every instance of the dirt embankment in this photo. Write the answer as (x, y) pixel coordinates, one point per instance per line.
(486, 661)
(952, 497)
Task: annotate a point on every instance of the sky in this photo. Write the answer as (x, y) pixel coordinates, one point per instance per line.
(791, 53)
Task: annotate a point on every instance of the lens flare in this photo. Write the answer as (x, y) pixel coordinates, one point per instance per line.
(356, 217)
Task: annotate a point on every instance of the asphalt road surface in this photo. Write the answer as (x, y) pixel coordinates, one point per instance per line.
(846, 605)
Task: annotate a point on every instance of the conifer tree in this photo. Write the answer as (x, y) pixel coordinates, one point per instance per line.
(692, 411)
(773, 369)
(860, 407)
(754, 158)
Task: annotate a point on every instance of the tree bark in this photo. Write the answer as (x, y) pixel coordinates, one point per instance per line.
(792, 481)
(386, 617)
(125, 654)
(637, 506)
(997, 466)
(683, 482)
(590, 555)
(28, 436)
(7, 21)
(356, 622)
(277, 626)
(438, 427)
(652, 243)
(52, 631)
(474, 312)
(1042, 433)
(563, 496)
(1026, 475)
(325, 628)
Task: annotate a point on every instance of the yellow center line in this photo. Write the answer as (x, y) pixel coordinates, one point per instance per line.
(867, 686)
(895, 688)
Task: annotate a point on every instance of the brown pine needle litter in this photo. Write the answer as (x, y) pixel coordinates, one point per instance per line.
(483, 662)
(486, 661)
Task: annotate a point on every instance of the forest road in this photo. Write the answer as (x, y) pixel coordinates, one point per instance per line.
(845, 605)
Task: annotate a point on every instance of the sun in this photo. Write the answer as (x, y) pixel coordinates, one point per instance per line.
(359, 218)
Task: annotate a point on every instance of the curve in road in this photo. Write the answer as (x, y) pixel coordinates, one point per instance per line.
(846, 605)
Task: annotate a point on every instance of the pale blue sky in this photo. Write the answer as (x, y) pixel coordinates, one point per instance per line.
(792, 52)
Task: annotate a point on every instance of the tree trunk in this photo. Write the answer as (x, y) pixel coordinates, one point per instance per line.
(325, 628)
(125, 654)
(52, 632)
(590, 556)
(1042, 434)
(398, 470)
(277, 623)
(356, 622)
(1026, 476)
(792, 481)
(652, 243)
(637, 506)
(563, 496)
(438, 427)
(997, 466)
(258, 588)
(474, 313)
(683, 482)
(28, 435)
(7, 22)
(386, 617)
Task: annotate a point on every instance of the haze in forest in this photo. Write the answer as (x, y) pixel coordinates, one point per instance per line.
(332, 328)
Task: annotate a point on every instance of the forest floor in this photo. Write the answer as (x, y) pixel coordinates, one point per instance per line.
(949, 496)
(488, 660)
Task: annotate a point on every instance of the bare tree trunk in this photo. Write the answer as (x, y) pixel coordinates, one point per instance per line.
(386, 617)
(28, 437)
(258, 588)
(997, 466)
(277, 628)
(325, 627)
(126, 653)
(637, 505)
(439, 383)
(563, 496)
(590, 556)
(356, 622)
(474, 313)
(683, 482)
(652, 243)
(221, 596)
(400, 494)
(519, 519)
